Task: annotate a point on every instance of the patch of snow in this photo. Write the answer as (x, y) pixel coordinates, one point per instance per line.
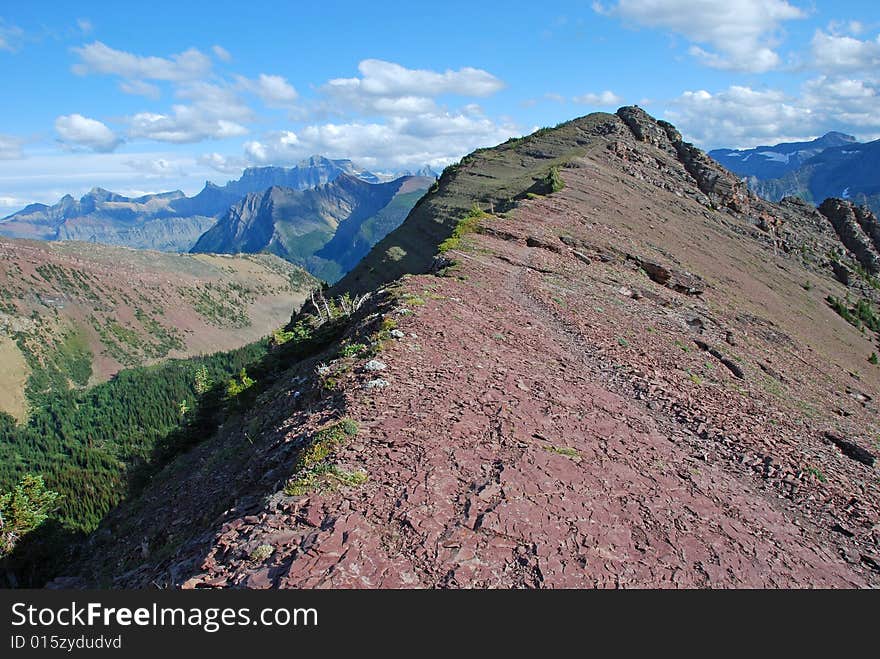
(776, 157)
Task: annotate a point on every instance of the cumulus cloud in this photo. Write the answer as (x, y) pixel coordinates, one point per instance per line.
(10, 147)
(274, 90)
(97, 57)
(221, 53)
(213, 111)
(380, 78)
(184, 124)
(844, 54)
(741, 33)
(602, 99)
(400, 142)
(387, 88)
(742, 117)
(76, 130)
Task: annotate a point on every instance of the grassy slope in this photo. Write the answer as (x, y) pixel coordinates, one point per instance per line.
(491, 178)
(76, 313)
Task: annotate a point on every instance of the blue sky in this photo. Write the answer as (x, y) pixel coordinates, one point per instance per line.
(147, 97)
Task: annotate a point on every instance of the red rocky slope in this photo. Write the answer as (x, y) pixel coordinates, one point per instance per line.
(634, 381)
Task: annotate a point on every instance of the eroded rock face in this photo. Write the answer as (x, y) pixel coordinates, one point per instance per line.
(724, 188)
(846, 222)
(868, 221)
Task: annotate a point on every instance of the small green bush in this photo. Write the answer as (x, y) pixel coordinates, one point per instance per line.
(23, 509)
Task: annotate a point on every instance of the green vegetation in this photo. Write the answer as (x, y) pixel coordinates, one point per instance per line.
(314, 471)
(564, 450)
(554, 181)
(814, 471)
(467, 224)
(222, 305)
(56, 364)
(237, 386)
(261, 553)
(862, 314)
(23, 509)
(395, 253)
(873, 358)
(353, 350)
(87, 444)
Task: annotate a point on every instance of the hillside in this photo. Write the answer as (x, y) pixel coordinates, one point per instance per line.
(326, 229)
(594, 359)
(832, 166)
(75, 314)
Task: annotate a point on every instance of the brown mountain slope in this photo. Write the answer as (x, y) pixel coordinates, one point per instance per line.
(77, 313)
(633, 381)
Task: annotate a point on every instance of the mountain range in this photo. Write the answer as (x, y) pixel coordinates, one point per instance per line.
(326, 229)
(168, 221)
(834, 165)
(588, 357)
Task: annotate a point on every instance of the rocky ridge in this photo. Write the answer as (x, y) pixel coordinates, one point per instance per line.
(632, 381)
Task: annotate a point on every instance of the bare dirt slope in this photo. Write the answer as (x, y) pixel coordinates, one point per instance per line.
(625, 383)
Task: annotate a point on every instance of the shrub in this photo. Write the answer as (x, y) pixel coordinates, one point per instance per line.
(237, 386)
(554, 180)
(23, 510)
(467, 224)
(395, 253)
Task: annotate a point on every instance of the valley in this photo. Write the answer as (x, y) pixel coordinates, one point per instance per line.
(75, 314)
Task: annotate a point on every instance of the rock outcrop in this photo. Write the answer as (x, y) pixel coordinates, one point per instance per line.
(721, 186)
(847, 222)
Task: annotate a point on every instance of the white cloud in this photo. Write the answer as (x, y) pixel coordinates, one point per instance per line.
(140, 88)
(221, 53)
(157, 167)
(386, 88)
(273, 89)
(742, 117)
(77, 130)
(214, 111)
(602, 99)
(742, 33)
(185, 124)
(85, 25)
(10, 147)
(97, 57)
(844, 54)
(380, 78)
(11, 37)
(435, 139)
(851, 103)
(223, 164)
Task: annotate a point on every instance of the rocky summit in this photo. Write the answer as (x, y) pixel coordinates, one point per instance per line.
(590, 357)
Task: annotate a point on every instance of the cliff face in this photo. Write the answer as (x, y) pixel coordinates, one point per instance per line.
(300, 225)
(633, 380)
